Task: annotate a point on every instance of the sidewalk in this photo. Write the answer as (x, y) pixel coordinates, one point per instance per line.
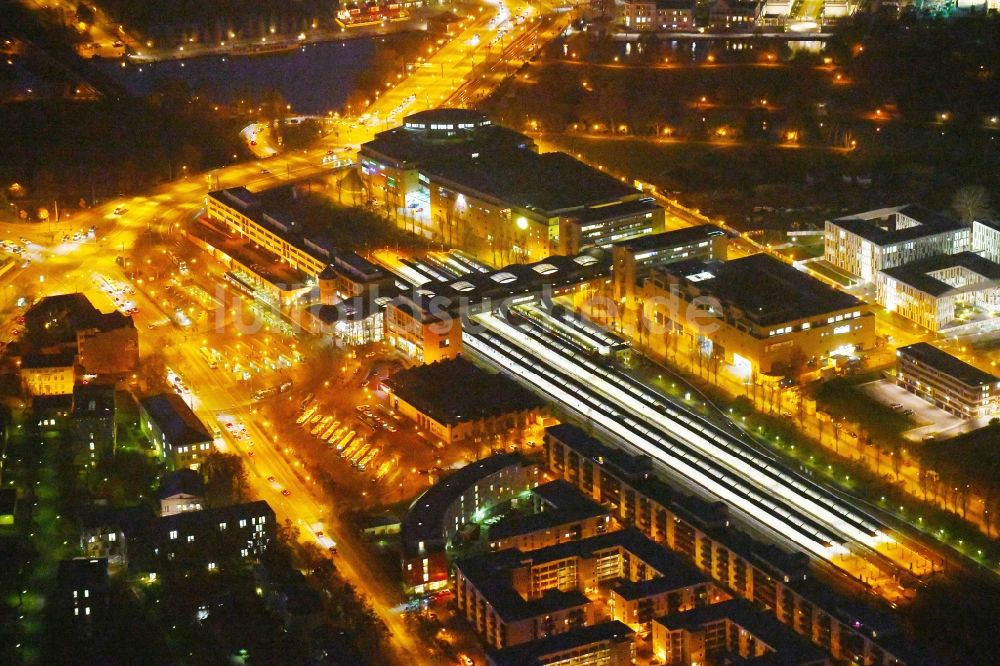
(896, 467)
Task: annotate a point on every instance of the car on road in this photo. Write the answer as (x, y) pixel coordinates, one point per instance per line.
(120, 210)
(271, 479)
(265, 172)
(250, 453)
(896, 405)
(286, 492)
(253, 142)
(907, 412)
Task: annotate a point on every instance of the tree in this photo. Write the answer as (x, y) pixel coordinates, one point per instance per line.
(972, 202)
(226, 480)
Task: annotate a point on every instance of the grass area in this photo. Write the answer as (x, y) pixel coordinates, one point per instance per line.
(780, 436)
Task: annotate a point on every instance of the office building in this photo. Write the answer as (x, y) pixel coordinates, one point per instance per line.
(730, 632)
(605, 644)
(877, 240)
(943, 293)
(453, 176)
(349, 275)
(390, 163)
(986, 239)
(947, 382)
(454, 400)
(634, 260)
(296, 253)
(423, 329)
(522, 206)
(175, 431)
(463, 498)
(756, 314)
(657, 15)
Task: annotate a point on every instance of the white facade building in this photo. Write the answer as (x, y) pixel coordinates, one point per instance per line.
(869, 242)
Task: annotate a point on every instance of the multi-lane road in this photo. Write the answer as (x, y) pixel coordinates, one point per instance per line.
(158, 217)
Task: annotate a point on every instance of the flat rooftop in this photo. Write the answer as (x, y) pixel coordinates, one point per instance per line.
(443, 134)
(666, 562)
(668, 239)
(179, 424)
(780, 293)
(285, 211)
(788, 646)
(550, 183)
(55, 360)
(562, 503)
(888, 226)
(622, 463)
(425, 519)
(945, 363)
(616, 209)
(264, 264)
(490, 574)
(534, 653)
(919, 274)
(515, 279)
(456, 391)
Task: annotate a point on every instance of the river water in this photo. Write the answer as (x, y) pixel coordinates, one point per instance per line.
(314, 79)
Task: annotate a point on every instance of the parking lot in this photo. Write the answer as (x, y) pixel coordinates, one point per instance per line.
(930, 421)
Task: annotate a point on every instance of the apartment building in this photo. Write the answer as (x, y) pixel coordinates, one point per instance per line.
(774, 580)
(175, 431)
(462, 498)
